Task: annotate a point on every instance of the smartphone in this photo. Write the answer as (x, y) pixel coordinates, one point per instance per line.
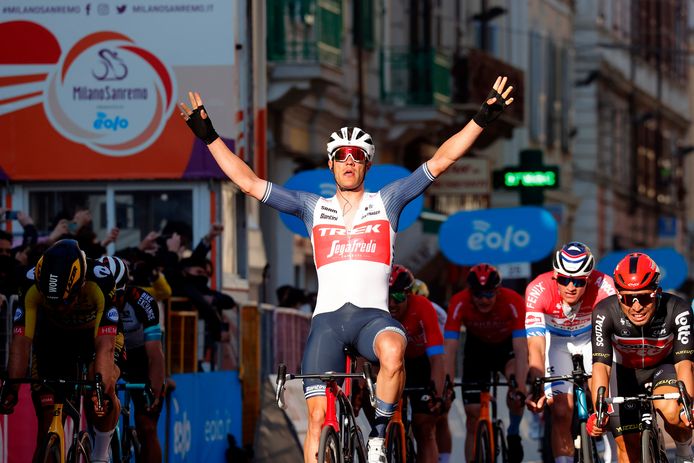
(72, 227)
(10, 215)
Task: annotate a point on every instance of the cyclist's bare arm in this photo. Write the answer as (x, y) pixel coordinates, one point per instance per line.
(438, 372)
(450, 348)
(684, 374)
(237, 170)
(104, 346)
(20, 348)
(536, 356)
(601, 377)
(155, 358)
(520, 353)
(455, 147)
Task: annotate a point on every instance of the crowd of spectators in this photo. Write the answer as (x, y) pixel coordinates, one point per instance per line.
(164, 263)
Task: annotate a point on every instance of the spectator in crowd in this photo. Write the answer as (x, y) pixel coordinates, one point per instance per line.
(9, 267)
(290, 297)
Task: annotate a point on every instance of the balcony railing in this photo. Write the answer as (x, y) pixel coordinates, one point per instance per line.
(415, 78)
(305, 31)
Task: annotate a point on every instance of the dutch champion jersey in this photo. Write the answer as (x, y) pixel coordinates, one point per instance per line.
(545, 310)
(353, 264)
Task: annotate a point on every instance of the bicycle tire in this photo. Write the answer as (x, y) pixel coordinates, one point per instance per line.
(329, 450)
(411, 453)
(500, 444)
(135, 444)
(51, 449)
(358, 447)
(394, 444)
(81, 448)
(483, 447)
(117, 446)
(585, 453)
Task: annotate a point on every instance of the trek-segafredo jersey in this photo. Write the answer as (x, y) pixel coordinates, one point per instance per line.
(353, 264)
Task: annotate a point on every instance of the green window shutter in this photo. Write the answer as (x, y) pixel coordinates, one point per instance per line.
(275, 35)
(368, 24)
(330, 32)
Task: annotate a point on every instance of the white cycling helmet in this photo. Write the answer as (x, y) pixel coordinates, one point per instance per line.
(351, 136)
(574, 259)
(118, 268)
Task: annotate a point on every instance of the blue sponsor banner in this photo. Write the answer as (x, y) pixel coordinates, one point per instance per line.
(672, 265)
(498, 236)
(203, 409)
(321, 182)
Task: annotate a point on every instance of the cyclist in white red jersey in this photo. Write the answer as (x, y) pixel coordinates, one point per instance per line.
(353, 237)
(558, 308)
(494, 319)
(648, 333)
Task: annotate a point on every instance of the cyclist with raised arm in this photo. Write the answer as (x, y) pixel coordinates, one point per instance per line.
(144, 362)
(558, 308)
(647, 333)
(494, 319)
(424, 359)
(353, 237)
(65, 313)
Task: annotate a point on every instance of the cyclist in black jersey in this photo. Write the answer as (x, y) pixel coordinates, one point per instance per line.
(648, 335)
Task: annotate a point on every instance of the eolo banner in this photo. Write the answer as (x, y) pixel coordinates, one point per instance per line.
(88, 90)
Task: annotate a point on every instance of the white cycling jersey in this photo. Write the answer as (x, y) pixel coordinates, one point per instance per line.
(353, 264)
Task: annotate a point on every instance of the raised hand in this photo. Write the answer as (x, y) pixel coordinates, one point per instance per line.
(496, 102)
(198, 119)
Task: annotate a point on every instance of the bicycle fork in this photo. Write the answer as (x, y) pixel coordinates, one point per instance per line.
(56, 427)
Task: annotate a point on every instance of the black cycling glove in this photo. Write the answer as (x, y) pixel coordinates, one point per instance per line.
(202, 127)
(9, 399)
(488, 113)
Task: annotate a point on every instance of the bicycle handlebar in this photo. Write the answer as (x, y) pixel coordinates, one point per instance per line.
(91, 385)
(642, 398)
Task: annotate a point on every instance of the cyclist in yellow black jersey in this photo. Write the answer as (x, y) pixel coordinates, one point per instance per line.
(66, 312)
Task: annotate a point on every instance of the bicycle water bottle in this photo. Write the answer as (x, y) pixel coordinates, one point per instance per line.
(581, 404)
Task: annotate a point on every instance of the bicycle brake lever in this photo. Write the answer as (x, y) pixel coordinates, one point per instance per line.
(99, 389)
(685, 400)
(279, 385)
(368, 376)
(601, 405)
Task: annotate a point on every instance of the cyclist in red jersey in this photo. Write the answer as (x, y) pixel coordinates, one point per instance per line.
(424, 359)
(494, 318)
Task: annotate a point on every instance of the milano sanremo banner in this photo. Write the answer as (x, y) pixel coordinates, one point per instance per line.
(88, 90)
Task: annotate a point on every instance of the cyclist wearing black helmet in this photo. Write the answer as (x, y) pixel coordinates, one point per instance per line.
(66, 312)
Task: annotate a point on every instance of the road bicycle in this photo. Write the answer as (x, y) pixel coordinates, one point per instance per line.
(341, 439)
(490, 437)
(652, 443)
(585, 446)
(68, 401)
(125, 444)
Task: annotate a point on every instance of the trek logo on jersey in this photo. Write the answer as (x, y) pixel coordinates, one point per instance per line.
(368, 242)
(683, 330)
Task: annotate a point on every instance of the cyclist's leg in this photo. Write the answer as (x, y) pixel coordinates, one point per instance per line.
(104, 426)
(145, 422)
(423, 421)
(379, 337)
(476, 368)
(558, 362)
(424, 428)
(515, 415)
(444, 440)
(664, 381)
(625, 421)
(323, 352)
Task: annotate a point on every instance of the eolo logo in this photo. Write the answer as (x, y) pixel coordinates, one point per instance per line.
(109, 94)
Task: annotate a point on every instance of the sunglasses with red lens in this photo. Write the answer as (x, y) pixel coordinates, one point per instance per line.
(577, 281)
(342, 153)
(643, 299)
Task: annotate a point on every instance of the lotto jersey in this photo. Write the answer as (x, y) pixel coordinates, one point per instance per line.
(353, 264)
(421, 324)
(545, 310)
(505, 320)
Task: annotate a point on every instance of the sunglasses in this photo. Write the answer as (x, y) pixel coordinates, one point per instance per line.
(643, 299)
(577, 281)
(358, 155)
(398, 296)
(484, 294)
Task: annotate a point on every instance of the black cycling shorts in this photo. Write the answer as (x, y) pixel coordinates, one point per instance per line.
(626, 418)
(480, 360)
(349, 326)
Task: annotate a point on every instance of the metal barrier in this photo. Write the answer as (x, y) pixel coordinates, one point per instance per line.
(181, 337)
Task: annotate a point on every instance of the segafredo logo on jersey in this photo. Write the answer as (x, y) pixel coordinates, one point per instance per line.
(369, 241)
(110, 94)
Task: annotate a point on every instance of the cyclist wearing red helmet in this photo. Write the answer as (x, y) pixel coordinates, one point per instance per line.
(494, 319)
(648, 335)
(424, 359)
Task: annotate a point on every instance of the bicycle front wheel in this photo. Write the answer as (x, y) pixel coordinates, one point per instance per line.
(651, 450)
(51, 449)
(483, 444)
(329, 450)
(585, 453)
(81, 451)
(358, 447)
(500, 445)
(394, 444)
